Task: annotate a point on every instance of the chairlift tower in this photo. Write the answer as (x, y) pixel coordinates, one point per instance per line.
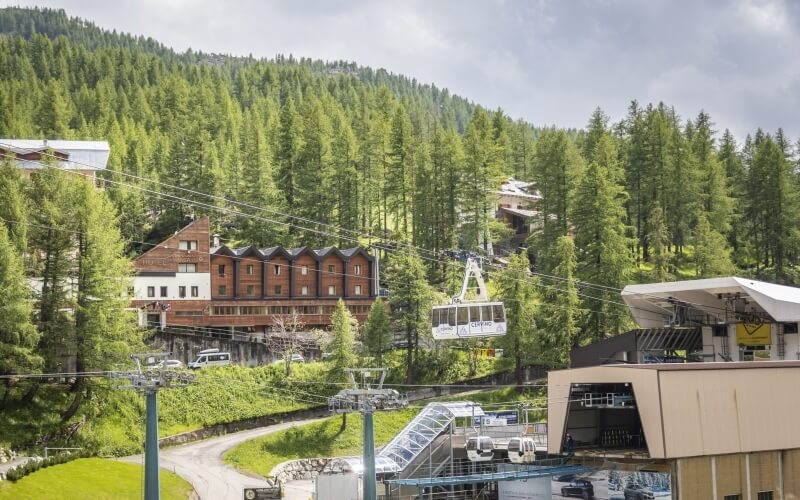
(150, 375)
(365, 395)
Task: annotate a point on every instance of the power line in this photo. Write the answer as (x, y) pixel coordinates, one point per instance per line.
(240, 214)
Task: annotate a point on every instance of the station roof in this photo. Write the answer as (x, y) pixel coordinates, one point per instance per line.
(711, 301)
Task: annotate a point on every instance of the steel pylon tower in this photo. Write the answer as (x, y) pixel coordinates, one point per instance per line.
(151, 374)
(365, 396)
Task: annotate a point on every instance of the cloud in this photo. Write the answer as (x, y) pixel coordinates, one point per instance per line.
(545, 61)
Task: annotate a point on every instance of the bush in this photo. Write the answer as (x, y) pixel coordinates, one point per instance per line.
(14, 474)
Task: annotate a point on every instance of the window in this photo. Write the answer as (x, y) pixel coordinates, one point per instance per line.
(304, 270)
(277, 289)
(304, 290)
(331, 290)
(195, 291)
(358, 290)
(151, 291)
(789, 327)
(764, 495)
(187, 268)
(277, 268)
(250, 290)
(188, 313)
(221, 270)
(249, 269)
(252, 310)
(163, 291)
(732, 497)
(223, 310)
(182, 292)
(188, 245)
(719, 330)
(357, 269)
(331, 269)
(222, 290)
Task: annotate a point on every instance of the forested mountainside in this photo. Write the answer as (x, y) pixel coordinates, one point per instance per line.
(325, 146)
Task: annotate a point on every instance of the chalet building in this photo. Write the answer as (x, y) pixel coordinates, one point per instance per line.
(185, 282)
(85, 157)
(516, 203)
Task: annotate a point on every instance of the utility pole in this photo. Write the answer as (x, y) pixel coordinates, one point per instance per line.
(151, 374)
(365, 397)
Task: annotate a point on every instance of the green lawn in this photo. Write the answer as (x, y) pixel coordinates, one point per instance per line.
(91, 479)
(325, 439)
(320, 439)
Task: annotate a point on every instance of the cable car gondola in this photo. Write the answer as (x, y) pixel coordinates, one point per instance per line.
(476, 317)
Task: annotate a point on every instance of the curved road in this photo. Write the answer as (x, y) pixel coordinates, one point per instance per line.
(201, 464)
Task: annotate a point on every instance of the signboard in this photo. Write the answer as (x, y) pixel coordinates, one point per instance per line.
(268, 493)
(614, 485)
(753, 333)
(531, 489)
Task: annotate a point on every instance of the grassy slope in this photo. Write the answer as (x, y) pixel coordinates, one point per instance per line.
(320, 439)
(91, 479)
(324, 439)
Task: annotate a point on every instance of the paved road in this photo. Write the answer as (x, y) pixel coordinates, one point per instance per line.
(201, 464)
(17, 461)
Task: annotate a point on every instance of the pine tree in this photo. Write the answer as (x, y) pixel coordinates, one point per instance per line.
(342, 340)
(602, 246)
(400, 174)
(559, 308)
(410, 298)
(516, 288)
(711, 255)
(377, 336)
(14, 206)
(18, 334)
(556, 166)
(658, 241)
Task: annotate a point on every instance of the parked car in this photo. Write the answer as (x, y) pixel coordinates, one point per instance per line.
(581, 488)
(636, 493)
(273, 489)
(564, 478)
(210, 357)
(171, 363)
(298, 358)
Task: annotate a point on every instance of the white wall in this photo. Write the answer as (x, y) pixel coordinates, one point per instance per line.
(200, 280)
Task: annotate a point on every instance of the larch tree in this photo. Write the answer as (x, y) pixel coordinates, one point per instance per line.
(377, 336)
(559, 309)
(341, 345)
(516, 288)
(602, 246)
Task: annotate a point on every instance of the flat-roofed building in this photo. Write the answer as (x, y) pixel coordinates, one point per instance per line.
(84, 157)
(720, 430)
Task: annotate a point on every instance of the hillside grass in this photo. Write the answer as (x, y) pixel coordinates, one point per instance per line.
(112, 422)
(91, 479)
(319, 439)
(326, 439)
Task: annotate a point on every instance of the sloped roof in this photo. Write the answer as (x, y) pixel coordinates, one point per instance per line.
(520, 189)
(729, 299)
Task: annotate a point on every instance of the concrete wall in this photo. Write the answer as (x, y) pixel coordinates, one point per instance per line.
(184, 347)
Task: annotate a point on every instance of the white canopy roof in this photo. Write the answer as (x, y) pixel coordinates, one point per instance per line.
(725, 300)
(81, 155)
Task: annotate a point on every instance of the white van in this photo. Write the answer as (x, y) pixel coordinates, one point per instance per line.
(210, 357)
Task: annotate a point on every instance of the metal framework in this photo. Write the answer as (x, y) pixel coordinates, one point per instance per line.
(515, 475)
(151, 374)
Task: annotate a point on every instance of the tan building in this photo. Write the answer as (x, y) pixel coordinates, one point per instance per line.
(723, 431)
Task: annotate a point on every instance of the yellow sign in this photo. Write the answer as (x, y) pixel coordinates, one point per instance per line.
(753, 333)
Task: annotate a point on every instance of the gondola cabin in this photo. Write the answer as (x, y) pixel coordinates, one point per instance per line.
(521, 450)
(480, 449)
(466, 320)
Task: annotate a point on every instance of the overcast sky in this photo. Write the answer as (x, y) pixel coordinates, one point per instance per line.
(548, 62)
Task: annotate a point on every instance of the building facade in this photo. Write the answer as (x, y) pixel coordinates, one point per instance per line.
(185, 282)
(707, 431)
(84, 157)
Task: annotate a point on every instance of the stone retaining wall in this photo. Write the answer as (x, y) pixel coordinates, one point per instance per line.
(294, 470)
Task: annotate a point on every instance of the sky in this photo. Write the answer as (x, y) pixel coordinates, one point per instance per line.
(547, 62)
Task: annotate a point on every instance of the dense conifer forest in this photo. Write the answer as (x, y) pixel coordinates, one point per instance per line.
(303, 152)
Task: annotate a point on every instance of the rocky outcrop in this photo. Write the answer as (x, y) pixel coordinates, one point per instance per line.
(307, 468)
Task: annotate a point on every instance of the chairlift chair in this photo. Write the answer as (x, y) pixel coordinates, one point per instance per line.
(468, 318)
(521, 450)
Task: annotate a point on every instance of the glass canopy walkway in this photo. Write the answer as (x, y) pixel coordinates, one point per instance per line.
(433, 421)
